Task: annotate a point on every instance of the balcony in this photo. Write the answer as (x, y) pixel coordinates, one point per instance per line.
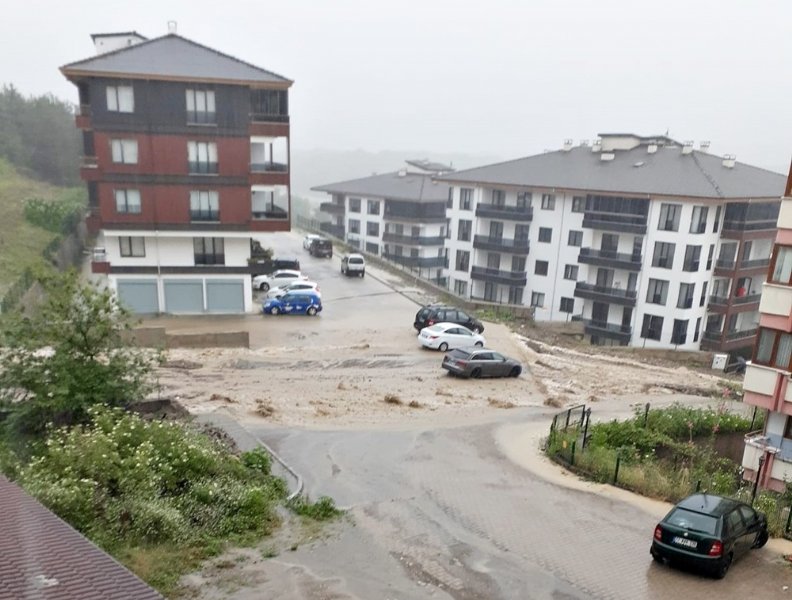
(749, 299)
(417, 262)
(89, 168)
(337, 231)
(727, 268)
(258, 117)
(731, 340)
(269, 167)
(609, 330)
(743, 226)
(512, 278)
(601, 293)
(506, 213)
(204, 216)
(332, 208)
(609, 258)
(776, 305)
(614, 222)
(410, 240)
(414, 218)
(202, 168)
(484, 242)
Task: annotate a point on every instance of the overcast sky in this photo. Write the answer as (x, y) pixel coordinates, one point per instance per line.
(504, 78)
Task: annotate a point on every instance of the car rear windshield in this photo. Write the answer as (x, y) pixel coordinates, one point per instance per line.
(693, 521)
(356, 261)
(459, 353)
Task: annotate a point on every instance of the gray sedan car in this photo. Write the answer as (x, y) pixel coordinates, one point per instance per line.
(480, 362)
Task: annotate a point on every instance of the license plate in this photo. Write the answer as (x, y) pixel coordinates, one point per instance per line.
(680, 541)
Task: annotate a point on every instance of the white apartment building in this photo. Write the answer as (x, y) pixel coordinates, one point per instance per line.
(647, 241)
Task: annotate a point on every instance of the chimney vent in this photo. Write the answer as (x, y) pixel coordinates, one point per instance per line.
(687, 148)
(607, 156)
(172, 26)
(704, 145)
(567, 145)
(597, 145)
(729, 160)
(403, 173)
(651, 148)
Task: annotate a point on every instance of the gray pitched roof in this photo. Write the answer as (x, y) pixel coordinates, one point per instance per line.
(412, 187)
(667, 172)
(44, 558)
(428, 165)
(173, 57)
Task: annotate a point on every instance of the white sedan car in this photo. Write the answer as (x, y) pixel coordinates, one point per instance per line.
(277, 279)
(294, 286)
(446, 336)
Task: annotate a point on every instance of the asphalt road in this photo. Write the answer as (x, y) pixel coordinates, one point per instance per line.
(439, 511)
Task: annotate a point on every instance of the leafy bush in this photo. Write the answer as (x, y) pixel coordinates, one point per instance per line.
(123, 480)
(321, 510)
(58, 216)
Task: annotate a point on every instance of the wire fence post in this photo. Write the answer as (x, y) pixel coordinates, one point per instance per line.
(572, 454)
(586, 420)
(616, 472)
(789, 520)
(646, 414)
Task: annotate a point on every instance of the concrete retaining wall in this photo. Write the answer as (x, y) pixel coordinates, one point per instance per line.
(158, 337)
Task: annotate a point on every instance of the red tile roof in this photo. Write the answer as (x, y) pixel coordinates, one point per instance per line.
(43, 558)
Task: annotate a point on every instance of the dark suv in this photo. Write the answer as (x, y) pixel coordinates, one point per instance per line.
(321, 247)
(268, 266)
(440, 313)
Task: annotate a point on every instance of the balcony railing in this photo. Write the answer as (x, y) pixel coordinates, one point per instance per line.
(203, 168)
(610, 258)
(711, 336)
(755, 264)
(269, 167)
(414, 218)
(739, 226)
(201, 117)
(725, 264)
(204, 215)
(85, 110)
(89, 162)
(614, 222)
(332, 207)
(739, 335)
(268, 118)
(336, 231)
(413, 240)
(507, 213)
(749, 299)
(209, 259)
(513, 278)
(512, 246)
(270, 213)
(613, 330)
(420, 262)
(605, 294)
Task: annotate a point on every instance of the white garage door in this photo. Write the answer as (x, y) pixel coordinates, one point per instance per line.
(139, 296)
(183, 296)
(225, 296)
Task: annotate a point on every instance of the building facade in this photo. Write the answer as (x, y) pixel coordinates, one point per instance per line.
(186, 155)
(400, 216)
(645, 240)
(768, 454)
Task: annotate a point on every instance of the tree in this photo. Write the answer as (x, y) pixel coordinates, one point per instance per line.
(68, 355)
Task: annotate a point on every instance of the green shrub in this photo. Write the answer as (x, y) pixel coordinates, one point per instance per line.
(58, 216)
(321, 510)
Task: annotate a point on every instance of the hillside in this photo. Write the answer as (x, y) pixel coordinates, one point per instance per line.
(20, 242)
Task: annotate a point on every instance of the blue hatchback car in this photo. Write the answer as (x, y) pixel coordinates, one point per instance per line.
(294, 303)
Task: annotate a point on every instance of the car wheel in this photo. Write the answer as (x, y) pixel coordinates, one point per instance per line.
(264, 287)
(362, 273)
(656, 557)
(475, 373)
(515, 372)
(274, 310)
(476, 329)
(761, 539)
(311, 310)
(479, 344)
(723, 568)
(443, 347)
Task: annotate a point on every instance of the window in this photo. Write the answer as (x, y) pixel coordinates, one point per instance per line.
(716, 222)
(450, 201)
(372, 229)
(515, 295)
(571, 272)
(462, 260)
(703, 297)
(781, 267)
(465, 227)
(124, 151)
(202, 157)
(460, 288)
(548, 201)
(679, 332)
(518, 264)
(710, 254)
(540, 268)
(669, 217)
(521, 233)
(652, 327)
(128, 202)
(120, 98)
(413, 252)
(537, 299)
(663, 255)
(774, 349)
(657, 292)
(545, 234)
(372, 247)
(209, 251)
(524, 199)
(496, 230)
(498, 198)
(578, 204)
(567, 305)
(132, 246)
(354, 205)
(373, 207)
(692, 258)
(354, 226)
(698, 224)
(686, 292)
(697, 330)
(204, 206)
(465, 198)
(575, 238)
(201, 107)
(609, 242)
(493, 260)
(448, 229)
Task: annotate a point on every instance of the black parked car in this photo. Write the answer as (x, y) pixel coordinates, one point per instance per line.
(321, 247)
(269, 266)
(708, 532)
(480, 362)
(441, 313)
